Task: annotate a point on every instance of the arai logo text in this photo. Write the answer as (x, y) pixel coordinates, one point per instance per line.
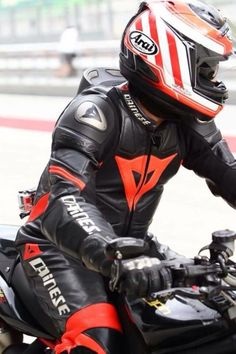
(141, 42)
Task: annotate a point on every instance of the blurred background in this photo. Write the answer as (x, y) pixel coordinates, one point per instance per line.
(45, 45)
(31, 43)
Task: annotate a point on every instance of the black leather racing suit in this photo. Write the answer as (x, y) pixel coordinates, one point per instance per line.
(106, 174)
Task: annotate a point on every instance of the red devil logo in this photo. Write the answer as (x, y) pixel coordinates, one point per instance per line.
(147, 176)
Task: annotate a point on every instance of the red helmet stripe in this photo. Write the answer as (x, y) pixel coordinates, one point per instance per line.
(154, 36)
(174, 59)
(138, 24)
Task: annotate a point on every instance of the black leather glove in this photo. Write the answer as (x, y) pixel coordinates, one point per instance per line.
(135, 276)
(98, 252)
(139, 277)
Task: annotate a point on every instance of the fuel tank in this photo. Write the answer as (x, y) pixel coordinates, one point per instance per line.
(177, 322)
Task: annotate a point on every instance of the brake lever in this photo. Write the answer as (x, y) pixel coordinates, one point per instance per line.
(188, 271)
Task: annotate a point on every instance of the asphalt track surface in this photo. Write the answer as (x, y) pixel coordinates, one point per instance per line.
(187, 214)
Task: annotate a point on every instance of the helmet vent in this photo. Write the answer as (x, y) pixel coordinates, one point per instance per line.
(208, 14)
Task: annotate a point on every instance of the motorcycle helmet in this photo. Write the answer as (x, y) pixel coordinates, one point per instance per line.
(170, 53)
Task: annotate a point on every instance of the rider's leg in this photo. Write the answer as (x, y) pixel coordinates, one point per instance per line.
(75, 300)
(95, 327)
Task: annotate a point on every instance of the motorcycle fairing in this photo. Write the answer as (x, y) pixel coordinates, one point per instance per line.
(8, 258)
(13, 312)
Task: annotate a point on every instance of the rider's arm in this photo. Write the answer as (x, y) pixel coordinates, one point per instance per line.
(208, 154)
(85, 135)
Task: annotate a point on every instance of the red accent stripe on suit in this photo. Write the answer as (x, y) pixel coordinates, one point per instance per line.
(39, 207)
(94, 316)
(67, 175)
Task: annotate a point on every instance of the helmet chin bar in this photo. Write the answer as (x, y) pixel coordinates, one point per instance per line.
(161, 105)
(213, 89)
(206, 69)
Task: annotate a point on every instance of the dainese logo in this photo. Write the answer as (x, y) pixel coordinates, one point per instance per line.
(142, 43)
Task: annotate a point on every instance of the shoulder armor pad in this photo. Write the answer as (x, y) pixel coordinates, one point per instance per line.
(89, 122)
(92, 114)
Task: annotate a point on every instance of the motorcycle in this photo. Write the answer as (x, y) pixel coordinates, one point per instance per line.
(196, 315)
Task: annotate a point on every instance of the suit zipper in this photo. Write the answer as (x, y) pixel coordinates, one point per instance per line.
(141, 185)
